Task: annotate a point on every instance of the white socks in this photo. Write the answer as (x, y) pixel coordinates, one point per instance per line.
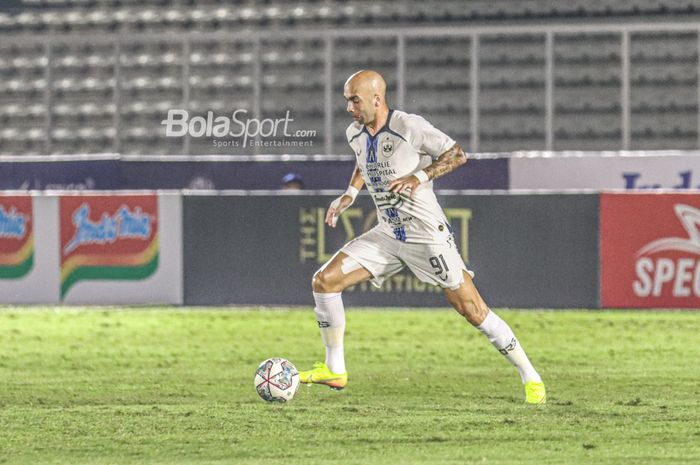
(330, 315)
(502, 337)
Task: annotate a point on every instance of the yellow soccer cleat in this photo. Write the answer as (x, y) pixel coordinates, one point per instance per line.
(535, 393)
(321, 374)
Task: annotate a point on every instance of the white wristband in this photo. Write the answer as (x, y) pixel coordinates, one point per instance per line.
(352, 192)
(422, 176)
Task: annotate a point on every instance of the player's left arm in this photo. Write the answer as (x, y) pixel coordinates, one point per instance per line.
(445, 163)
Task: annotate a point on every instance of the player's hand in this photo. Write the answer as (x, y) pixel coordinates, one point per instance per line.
(337, 207)
(407, 184)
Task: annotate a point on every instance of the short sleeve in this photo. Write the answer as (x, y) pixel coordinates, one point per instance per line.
(429, 139)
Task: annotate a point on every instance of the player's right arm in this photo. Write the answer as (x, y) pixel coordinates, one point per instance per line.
(346, 199)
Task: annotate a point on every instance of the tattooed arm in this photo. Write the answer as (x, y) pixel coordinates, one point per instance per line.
(445, 163)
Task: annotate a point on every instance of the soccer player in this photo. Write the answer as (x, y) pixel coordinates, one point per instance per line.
(398, 156)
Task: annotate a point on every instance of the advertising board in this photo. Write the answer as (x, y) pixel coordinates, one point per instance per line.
(650, 250)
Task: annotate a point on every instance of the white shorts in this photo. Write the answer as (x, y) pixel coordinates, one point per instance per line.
(384, 256)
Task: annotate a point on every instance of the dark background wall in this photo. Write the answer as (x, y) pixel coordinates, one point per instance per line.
(487, 173)
(526, 250)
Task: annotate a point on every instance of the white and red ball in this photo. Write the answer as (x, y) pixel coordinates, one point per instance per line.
(276, 380)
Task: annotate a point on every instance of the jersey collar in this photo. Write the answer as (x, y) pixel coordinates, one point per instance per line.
(384, 128)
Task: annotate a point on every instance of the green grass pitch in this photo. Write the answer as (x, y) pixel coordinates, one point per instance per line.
(175, 386)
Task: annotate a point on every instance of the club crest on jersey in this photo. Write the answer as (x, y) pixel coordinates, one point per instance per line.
(387, 147)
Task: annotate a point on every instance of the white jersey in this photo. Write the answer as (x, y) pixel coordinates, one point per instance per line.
(407, 143)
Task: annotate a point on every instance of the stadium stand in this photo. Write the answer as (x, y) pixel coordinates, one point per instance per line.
(208, 15)
(664, 91)
(111, 95)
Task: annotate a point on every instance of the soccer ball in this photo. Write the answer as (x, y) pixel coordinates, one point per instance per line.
(276, 380)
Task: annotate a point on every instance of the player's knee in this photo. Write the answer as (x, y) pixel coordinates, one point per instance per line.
(324, 282)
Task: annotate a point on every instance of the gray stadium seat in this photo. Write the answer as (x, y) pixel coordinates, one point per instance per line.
(587, 107)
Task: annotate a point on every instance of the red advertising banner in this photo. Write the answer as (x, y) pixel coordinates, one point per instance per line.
(650, 250)
(111, 237)
(16, 236)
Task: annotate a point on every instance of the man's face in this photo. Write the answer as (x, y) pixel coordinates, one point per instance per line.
(358, 105)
